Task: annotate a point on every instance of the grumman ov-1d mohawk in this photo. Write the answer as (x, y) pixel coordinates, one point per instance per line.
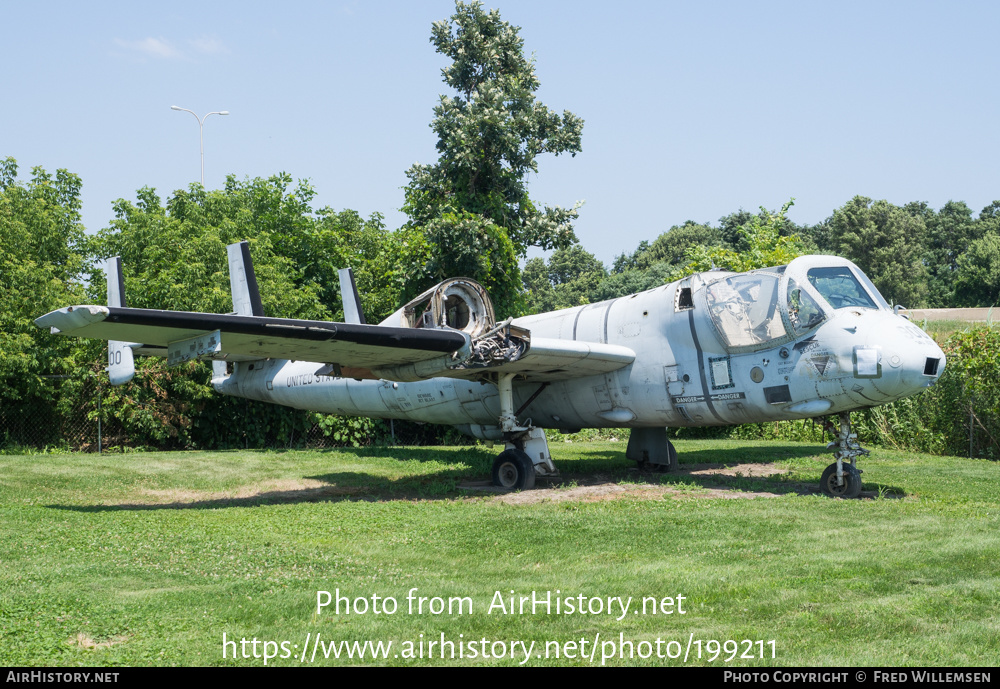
(810, 339)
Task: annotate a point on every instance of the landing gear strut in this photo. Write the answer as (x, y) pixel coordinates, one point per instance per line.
(842, 479)
(650, 450)
(527, 454)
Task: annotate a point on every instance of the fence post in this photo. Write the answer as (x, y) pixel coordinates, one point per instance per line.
(98, 417)
(972, 428)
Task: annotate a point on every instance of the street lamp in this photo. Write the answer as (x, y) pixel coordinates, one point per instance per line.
(201, 134)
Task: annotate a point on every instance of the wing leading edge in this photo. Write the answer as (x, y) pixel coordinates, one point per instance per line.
(448, 330)
(246, 338)
(394, 353)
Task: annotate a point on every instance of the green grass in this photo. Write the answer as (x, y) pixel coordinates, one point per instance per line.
(942, 330)
(152, 557)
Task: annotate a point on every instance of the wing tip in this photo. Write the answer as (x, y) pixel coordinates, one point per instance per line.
(70, 318)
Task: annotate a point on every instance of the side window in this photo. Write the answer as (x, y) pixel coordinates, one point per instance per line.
(803, 311)
(683, 300)
(744, 309)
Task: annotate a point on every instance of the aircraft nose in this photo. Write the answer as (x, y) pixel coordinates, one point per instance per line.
(913, 361)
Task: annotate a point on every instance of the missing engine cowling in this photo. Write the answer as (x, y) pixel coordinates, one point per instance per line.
(459, 304)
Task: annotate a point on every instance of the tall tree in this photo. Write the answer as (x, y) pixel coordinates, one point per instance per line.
(761, 242)
(174, 256)
(989, 218)
(950, 231)
(672, 245)
(977, 281)
(40, 260)
(887, 243)
(470, 213)
(569, 279)
(732, 226)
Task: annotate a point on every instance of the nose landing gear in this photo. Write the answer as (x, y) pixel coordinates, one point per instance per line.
(842, 479)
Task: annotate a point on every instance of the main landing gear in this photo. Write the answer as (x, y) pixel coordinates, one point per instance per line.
(527, 454)
(514, 470)
(842, 479)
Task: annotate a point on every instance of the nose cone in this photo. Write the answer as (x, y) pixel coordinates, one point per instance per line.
(911, 359)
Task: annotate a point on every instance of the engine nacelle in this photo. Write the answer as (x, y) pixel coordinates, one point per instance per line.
(459, 304)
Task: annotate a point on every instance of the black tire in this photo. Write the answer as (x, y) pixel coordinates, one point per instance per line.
(851, 487)
(514, 470)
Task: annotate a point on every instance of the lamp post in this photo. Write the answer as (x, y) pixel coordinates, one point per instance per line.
(201, 133)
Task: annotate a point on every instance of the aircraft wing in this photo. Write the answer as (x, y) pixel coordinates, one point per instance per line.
(553, 359)
(359, 350)
(246, 338)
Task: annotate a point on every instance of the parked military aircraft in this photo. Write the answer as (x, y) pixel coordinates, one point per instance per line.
(810, 339)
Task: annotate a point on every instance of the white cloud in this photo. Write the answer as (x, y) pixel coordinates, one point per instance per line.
(151, 47)
(208, 45)
(161, 48)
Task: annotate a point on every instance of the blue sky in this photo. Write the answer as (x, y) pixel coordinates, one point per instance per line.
(692, 110)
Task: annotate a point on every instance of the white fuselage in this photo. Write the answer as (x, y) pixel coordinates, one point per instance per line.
(682, 375)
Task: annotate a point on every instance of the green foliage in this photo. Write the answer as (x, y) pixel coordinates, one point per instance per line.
(762, 243)
(175, 258)
(973, 372)
(175, 255)
(636, 280)
(672, 246)
(886, 242)
(570, 279)
(731, 227)
(978, 275)
(489, 136)
(463, 244)
(989, 218)
(540, 295)
(949, 232)
(40, 259)
(344, 238)
(348, 431)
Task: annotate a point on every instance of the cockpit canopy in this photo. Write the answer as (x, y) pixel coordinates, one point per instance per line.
(765, 307)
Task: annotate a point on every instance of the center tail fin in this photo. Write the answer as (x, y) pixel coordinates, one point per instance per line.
(243, 281)
(246, 295)
(350, 298)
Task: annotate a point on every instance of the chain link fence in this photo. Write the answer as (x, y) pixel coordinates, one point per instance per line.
(83, 414)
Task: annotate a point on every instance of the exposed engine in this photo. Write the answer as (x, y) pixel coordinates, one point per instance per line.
(458, 303)
(463, 304)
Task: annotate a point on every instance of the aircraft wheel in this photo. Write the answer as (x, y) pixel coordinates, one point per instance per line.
(851, 487)
(513, 469)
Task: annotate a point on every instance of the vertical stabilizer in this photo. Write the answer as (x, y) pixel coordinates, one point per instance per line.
(243, 282)
(349, 296)
(121, 362)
